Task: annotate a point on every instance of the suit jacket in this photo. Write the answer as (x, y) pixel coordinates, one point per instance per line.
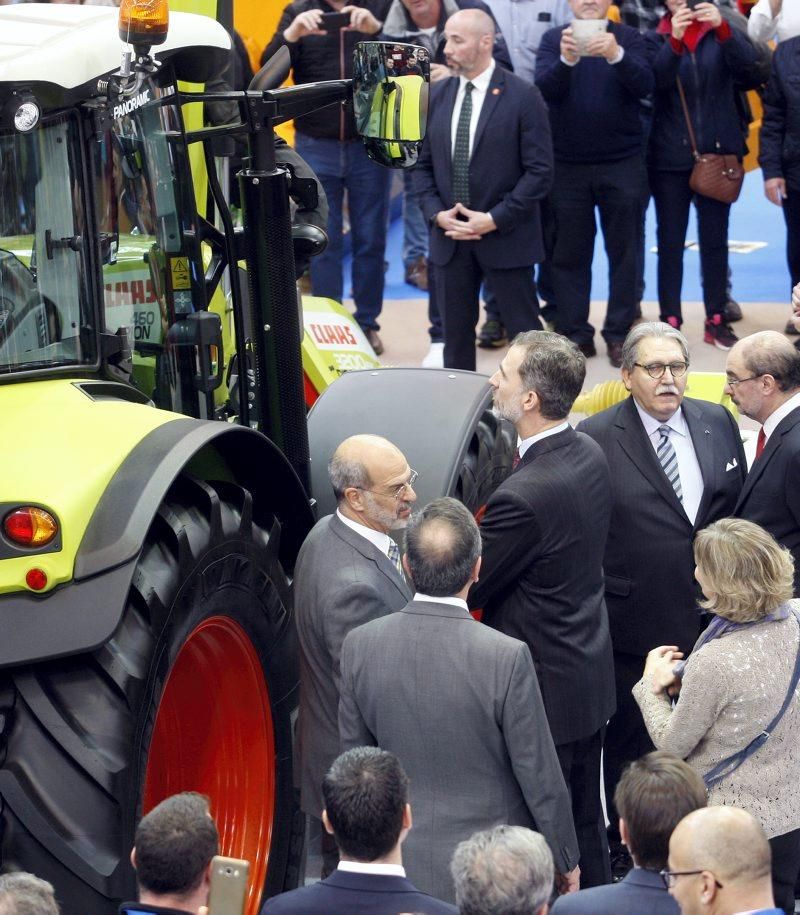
(510, 170)
(651, 593)
(460, 706)
(641, 891)
(771, 492)
(341, 580)
(541, 581)
(349, 893)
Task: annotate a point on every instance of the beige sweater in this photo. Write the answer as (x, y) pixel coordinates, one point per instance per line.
(732, 689)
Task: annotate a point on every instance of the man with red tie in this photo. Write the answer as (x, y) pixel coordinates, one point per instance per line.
(764, 382)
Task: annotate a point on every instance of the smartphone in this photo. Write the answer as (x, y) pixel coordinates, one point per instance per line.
(228, 885)
(693, 3)
(332, 21)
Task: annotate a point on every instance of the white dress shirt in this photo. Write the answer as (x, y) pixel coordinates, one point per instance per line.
(376, 538)
(372, 867)
(481, 86)
(688, 465)
(454, 601)
(532, 439)
(774, 419)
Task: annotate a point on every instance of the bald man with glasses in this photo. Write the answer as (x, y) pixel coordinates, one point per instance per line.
(348, 573)
(677, 464)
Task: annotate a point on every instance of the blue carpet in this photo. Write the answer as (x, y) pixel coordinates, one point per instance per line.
(759, 276)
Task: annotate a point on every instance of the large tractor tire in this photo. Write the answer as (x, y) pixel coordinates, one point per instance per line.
(194, 691)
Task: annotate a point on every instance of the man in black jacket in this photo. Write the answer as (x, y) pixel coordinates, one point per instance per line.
(328, 142)
(544, 534)
(592, 89)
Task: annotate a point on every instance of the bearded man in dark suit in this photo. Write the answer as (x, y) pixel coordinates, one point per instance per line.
(544, 534)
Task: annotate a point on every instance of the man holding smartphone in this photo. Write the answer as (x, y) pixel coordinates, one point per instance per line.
(173, 850)
(321, 36)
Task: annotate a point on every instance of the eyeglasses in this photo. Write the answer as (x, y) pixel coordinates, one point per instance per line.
(732, 382)
(670, 878)
(656, 370)
(399, 491)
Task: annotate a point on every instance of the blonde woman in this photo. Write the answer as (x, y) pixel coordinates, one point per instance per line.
(741, 677)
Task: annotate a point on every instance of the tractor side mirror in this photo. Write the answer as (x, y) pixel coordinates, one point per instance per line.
(390, 100)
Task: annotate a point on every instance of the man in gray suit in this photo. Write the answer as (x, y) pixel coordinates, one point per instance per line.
(654, 794)
(348, 572)
(460, 705)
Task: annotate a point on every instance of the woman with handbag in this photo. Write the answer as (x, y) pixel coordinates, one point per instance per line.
(696, 147)
(737, 718)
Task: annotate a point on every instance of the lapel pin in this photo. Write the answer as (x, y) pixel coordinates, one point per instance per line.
(495, 91)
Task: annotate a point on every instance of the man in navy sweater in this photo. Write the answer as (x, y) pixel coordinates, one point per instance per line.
(592, 87)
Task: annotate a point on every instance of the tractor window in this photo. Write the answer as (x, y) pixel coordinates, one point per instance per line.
(141, 180)
(44, 311)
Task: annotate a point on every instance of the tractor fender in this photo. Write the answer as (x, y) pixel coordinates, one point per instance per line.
(81, 615)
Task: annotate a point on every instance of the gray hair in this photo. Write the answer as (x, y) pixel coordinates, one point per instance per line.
(658, 329)
(344, 473)
(554, 368)
(442, 545)
(507, 870)
(25, 894)
(770, 353)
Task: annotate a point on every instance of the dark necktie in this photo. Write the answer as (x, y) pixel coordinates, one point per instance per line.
(669, 460)
(461, 150)
(761, 441)
(515, 461)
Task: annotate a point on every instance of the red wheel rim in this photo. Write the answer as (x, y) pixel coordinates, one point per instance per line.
(213, 734)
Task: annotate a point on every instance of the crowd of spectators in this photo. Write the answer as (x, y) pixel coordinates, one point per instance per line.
(629, 104)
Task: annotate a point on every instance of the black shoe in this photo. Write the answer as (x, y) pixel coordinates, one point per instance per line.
(374, 340)
(733, 311)
(492, 335)
(588, 349)
(621, 863)
(615, 354)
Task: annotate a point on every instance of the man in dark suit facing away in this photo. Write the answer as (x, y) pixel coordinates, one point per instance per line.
(654, 794)
(544, 533)
(460, 706)
(347, 573)
(368, 814)
(651, 593)
(485, 164)
(764, 382)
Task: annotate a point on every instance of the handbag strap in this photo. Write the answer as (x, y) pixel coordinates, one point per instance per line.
(688, 120)
(729, 765)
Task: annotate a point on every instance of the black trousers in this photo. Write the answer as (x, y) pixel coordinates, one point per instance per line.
(580, 763)
(626, 736)
(791, 216)
(615, 190)
(458, 286)
(673, 198)
(785, 867)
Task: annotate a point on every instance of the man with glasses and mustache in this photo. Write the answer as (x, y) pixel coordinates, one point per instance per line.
(348, 573)
(764, 382)
(677, 464)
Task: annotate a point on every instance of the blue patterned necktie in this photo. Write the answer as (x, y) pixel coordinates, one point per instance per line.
(669, 460)
(461, 150)
(394, 556)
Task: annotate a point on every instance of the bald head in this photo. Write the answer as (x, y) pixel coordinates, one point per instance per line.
(469, 42)
(724, 840)
(476, 22)
(369, 476)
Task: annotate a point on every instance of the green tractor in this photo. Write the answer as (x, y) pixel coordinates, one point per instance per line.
(156, 477)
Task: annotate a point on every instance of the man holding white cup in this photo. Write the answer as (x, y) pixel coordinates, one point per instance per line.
(592, 74)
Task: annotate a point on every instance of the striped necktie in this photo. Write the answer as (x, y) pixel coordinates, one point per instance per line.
(461, 149)
(394, 556)
(669, 460)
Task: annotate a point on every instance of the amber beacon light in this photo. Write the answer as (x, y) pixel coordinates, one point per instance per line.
(143, 22)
